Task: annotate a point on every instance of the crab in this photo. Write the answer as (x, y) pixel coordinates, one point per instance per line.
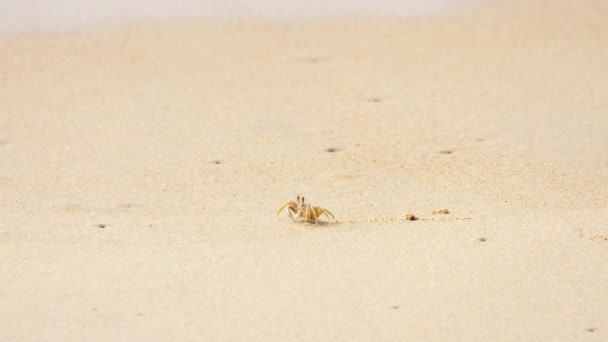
(306, 212)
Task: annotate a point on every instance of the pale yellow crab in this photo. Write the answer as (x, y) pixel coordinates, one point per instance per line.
(304, 211)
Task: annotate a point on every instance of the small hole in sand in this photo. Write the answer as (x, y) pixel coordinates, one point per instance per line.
(446, 151)
(411, 217)
(101, 225)
(395, 307)
(375, 99)
(483, 239)
(217, 162)
(591, 329)
(331, 150)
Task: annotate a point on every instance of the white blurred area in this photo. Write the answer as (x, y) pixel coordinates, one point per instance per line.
(19, 15)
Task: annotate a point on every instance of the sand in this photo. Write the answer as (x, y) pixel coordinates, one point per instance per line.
(141, 167)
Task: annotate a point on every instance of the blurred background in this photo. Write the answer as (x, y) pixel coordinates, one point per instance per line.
(73, 14)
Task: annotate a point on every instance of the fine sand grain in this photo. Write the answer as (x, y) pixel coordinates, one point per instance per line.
(141, 169)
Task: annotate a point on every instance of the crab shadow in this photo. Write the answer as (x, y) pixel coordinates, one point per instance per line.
(312, 224)
(318, 224)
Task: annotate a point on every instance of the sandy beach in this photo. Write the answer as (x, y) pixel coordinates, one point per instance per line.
(141, 167)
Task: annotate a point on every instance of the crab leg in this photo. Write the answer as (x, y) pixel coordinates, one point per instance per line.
(298, 214)
(291, 214)
(326, 212)
(283, 207)
(310, 213)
